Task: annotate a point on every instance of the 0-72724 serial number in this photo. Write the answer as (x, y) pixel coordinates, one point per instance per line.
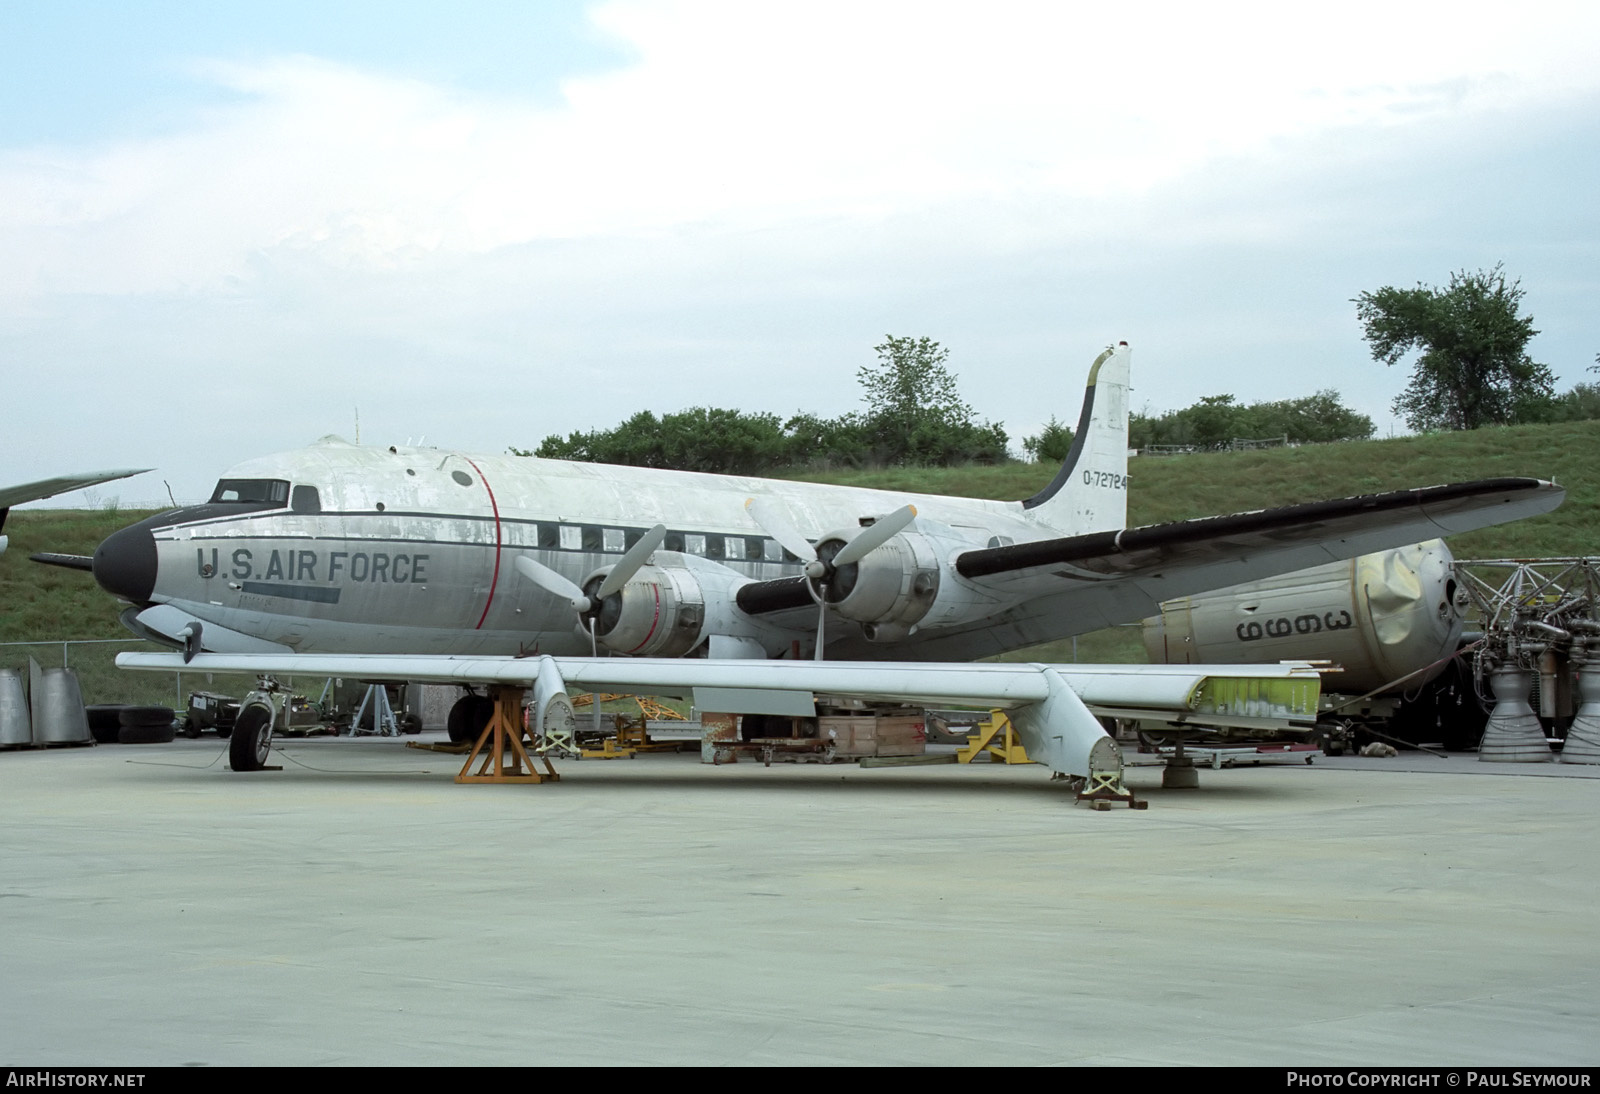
(1108, 479)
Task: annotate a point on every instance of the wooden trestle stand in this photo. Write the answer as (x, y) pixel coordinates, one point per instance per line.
(510, 760)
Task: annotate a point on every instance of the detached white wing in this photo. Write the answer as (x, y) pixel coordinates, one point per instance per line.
(1055, 707)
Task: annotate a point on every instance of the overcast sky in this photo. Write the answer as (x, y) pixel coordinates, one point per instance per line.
(229, 229)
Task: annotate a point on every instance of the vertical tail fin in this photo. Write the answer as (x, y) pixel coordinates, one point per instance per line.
(1090, 492)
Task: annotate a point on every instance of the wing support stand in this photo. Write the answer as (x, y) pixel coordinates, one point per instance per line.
(553, 720)
(1105, 789)
(1061, 733)
(507, 761)
(384, 723)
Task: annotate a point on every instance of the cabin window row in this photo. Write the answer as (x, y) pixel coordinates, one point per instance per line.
(272, 493)
(594, 537)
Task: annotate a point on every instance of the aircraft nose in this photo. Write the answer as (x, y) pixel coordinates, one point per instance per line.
(125, 563)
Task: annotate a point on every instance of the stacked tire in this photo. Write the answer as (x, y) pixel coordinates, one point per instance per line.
(105, 722)
(122, 724)
(146, 726)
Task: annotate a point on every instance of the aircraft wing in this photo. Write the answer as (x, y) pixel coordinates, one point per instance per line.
(1055, 707)
(1177, 689)
(49, 488)
(1077, 584)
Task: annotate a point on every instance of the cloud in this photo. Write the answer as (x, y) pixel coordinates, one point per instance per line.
(739, 115)
(750, 202)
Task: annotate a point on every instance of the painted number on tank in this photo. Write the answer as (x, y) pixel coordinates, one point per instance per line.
(1283, 626)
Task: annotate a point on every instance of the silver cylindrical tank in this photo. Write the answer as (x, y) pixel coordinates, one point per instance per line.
(16, 728)
(1381, 617)
(58, 714)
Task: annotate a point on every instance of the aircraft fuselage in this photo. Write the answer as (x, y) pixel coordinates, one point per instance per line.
(338, 548)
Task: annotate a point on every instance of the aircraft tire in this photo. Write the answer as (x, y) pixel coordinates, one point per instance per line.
(410, 724)
(251, 740)
(468, 717)
(145, 716)
(105, 721)
(146, 735)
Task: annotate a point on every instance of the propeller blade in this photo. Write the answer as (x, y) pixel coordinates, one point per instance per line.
(552, 582)
(822, 621)
(594, 696)
(71, 562)
(875, 535)
(775, 522)
(629, 564)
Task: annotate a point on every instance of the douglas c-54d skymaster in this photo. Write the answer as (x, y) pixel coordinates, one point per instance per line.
(752, 595)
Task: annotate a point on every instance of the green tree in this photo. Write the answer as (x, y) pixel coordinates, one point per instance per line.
(827, 442)
(1051, 445)
(1314, 419)
(727, 442)
(1217, 420)
(1473, 369)
(1581, 404)
(915, 416)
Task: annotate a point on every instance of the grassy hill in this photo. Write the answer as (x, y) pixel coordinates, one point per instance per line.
(47, 604)
(1168, 488)
(1180, 487)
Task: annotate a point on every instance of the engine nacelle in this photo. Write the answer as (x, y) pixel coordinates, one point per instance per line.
(660, 613)
(889, 590)
(672, 605)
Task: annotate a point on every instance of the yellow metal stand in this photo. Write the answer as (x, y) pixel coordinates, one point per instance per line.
(648, 707)
(504, 735)
(1007, 750)
(612, 748)
(654, 711)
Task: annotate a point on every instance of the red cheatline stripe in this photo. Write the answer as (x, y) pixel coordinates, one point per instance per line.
(495, 580)
(654, 623)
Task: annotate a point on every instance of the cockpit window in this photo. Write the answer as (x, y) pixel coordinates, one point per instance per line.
(252, 491)
(305, 500)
